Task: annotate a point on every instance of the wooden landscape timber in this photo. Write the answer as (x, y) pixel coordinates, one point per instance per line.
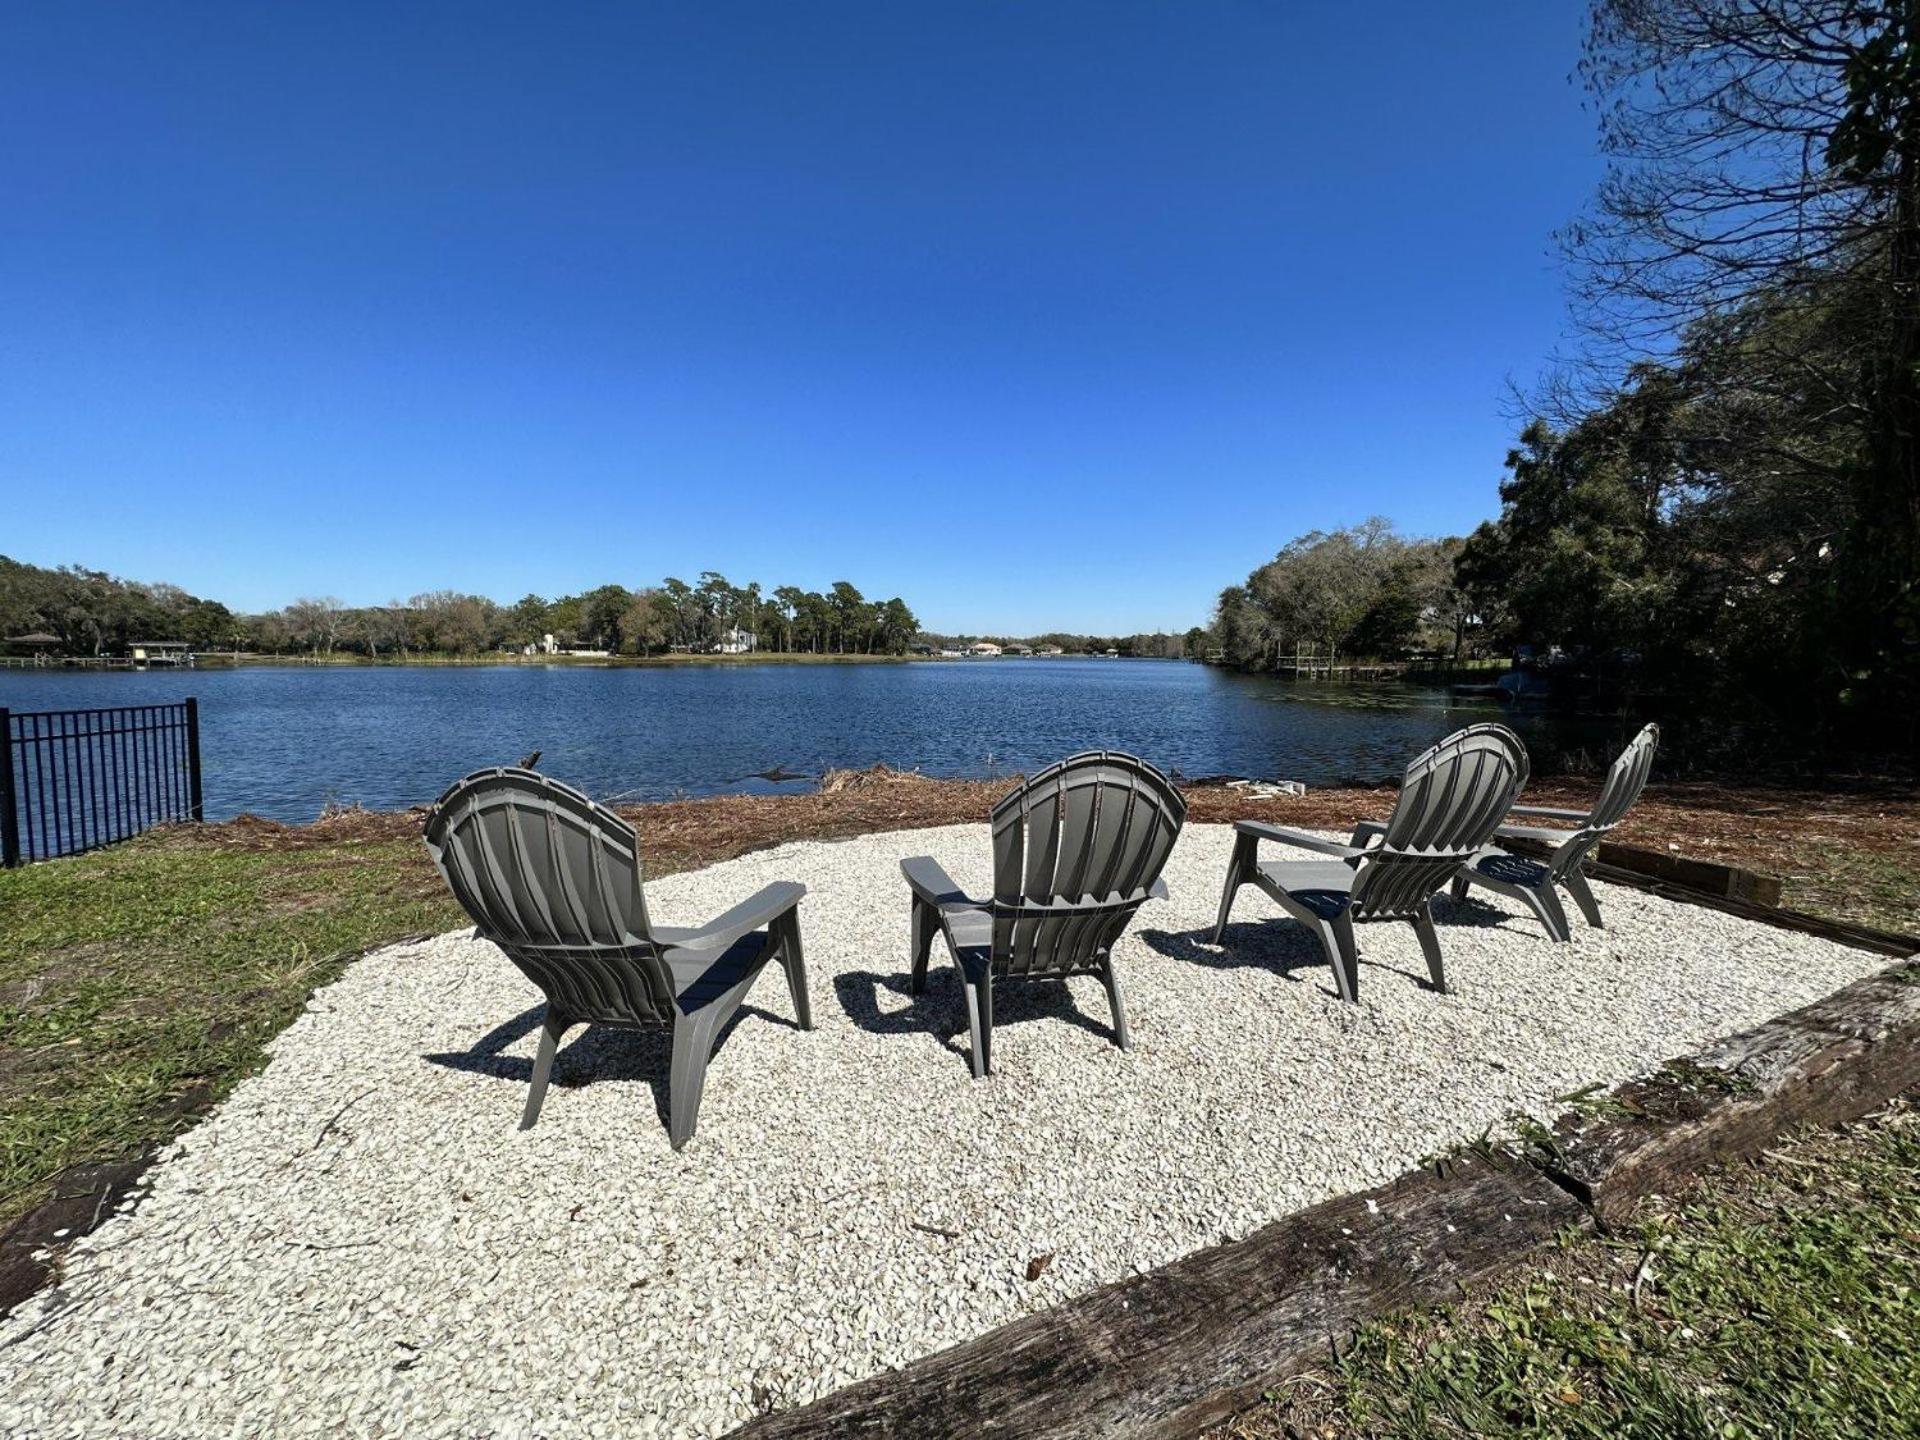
(1167, 1353)
(1706, 876)
(1726, 888)
(1826, 1063)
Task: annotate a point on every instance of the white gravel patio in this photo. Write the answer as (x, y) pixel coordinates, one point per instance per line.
(360, 1242)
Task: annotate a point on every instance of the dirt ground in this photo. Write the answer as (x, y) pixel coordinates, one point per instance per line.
(1850, 851)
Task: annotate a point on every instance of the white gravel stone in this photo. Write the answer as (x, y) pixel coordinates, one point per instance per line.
(359, 1241)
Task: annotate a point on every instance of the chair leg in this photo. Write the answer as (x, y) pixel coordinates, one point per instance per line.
(1120, 1031)
(1458, 889)
(693, 1037)
(1582, 893)
(1349, 953)
(1336, 943)
(1430, 947)
(1246, 849)
(925, 923)
(1542, 900)
(793, 959)
(552, 1027)
(980, 1022)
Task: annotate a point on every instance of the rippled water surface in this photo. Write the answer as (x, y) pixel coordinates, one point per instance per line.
(283, 742)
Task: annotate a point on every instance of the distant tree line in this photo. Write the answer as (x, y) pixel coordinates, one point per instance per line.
(1362, 593)
(1154, 645)
(89, 612)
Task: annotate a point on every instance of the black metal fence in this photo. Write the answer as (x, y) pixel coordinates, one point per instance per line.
(75, 780)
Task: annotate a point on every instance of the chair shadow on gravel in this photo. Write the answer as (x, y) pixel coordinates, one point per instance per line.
(590, 1053)
(1284, 946)
(942, 1010)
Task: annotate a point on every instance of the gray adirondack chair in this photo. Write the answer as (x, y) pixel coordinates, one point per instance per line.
(1450, 801)
(1532, 882)
(554, 880)
(1077, 850)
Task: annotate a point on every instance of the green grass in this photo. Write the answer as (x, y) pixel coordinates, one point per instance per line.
(1779, 1300)
(1868, 887)
(141, 977)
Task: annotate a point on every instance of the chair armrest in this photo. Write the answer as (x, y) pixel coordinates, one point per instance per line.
(931, 884)
(1365, 833)
(1546, 835)
(1549, 812)
(756, 912)
(1284, 836)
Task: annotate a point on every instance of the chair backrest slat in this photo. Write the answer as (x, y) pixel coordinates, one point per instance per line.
(554, 880)
(1626, 778)
(1094, 827)
(1451, 801)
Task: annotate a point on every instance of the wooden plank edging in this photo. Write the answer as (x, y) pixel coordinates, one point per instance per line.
(1166, 1353)
(1823, 1064)
(1170, 1351)
(1726, 888)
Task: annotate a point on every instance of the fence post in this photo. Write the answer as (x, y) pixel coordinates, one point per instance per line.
(9, 815)
(193, 758)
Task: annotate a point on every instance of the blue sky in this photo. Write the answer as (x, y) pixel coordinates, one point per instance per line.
(1037, 314)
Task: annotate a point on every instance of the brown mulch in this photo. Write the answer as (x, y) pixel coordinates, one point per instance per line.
(1765, 828)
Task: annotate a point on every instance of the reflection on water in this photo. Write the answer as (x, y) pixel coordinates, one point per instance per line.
(283, 742)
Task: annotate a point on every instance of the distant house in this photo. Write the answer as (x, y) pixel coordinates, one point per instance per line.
(951, 653)
(1019, 650)
(1111, 653)
(735, 642)
(148, 653)
(38, 645)
(983, 647)
(1049, 650)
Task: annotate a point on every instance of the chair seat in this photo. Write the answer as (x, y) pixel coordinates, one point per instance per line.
(1323, 886)
(1498, 864)
(1545, 834)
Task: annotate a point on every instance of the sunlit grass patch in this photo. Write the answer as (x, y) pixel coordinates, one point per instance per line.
(137, 977)
(1779, 1300)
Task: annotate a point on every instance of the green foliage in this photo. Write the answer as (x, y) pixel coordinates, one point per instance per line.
(92, 613)
(1359, 593)
(1758, 229)
(1570, 560)
(1695, 527)
(1882, 77)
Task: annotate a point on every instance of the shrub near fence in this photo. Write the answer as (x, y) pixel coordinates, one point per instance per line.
(75, 780)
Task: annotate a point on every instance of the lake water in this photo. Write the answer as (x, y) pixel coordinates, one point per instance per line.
(284, 742)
